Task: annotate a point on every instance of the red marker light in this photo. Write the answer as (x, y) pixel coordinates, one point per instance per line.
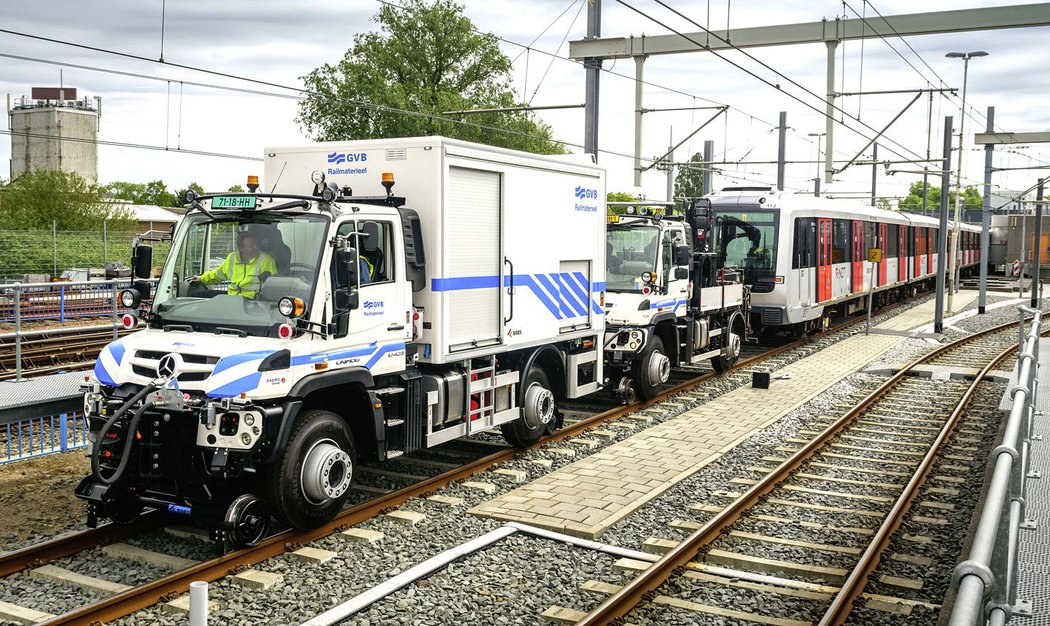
(285, 331)
(128, 321)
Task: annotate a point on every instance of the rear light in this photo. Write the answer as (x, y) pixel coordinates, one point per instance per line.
(285, 331)
(128, 321)
(779, 280)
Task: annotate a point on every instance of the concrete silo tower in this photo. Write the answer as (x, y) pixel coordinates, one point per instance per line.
(53, 130)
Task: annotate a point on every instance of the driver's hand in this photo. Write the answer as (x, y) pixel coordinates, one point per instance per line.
(193, 279)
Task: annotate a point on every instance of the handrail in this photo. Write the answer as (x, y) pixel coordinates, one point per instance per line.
(990, 570)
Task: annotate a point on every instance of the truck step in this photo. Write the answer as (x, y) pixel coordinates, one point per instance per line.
(393, 454)
(389, 391)
(394, 421)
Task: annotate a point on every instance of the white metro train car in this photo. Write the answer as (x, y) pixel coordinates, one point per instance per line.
(806, 258)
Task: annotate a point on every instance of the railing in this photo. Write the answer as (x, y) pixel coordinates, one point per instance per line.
(25, 439)
(60, 301)
(990, 571)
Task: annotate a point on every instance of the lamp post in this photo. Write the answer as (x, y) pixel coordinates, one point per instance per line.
(816, 181)
(965, 56)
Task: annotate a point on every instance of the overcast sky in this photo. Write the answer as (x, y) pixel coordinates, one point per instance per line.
(278, 42)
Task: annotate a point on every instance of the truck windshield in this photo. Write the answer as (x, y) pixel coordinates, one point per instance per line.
(748, 240)
(230, 272)
(631, 250)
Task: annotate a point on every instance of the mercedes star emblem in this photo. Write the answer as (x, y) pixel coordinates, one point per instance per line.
(168, 366)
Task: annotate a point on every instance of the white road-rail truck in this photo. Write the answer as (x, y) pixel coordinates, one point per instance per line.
(668, 304)
(470, 301)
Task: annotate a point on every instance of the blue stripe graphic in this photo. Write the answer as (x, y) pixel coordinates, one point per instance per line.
(117, 348)
(467, 282)
(241, 385)
(558, 293)
(233, 360)
(382, 351)
(527, 281)
(572, 296)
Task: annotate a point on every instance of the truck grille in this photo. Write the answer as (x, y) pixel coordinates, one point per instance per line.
(197, 367)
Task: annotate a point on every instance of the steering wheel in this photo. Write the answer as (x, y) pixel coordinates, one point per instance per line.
(301, 266)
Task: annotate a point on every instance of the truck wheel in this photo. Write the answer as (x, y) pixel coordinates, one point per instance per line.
(308, 485)
(731, 352)
(538, 411)
(651, 370)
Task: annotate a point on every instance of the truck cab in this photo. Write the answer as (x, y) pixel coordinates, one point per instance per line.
(667, 305)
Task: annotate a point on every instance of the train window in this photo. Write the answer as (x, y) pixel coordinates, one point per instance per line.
(840, 241)
(805, 245)
(892, 241)
(748, 240)
(869, 236)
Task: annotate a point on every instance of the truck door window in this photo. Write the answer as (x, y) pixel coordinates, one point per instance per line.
(376, 266)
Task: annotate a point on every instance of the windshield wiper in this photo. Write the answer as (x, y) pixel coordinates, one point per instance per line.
(224, 330)
(185, 327)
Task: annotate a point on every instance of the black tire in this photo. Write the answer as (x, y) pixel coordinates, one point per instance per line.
(646, 389)
(285, 491)
(520, 433)
(723, 361)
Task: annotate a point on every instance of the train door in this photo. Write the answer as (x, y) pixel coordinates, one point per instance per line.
(859, 256)
(883, 229)
(824, 271)
(931, 234)
(902, 253)
(920, 252)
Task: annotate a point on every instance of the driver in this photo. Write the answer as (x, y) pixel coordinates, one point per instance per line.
(245, 269)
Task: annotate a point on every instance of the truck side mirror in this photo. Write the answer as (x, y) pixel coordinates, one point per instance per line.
(346, 277)
(682, 255)
(143, 287)
(681, 273)
(142, 264)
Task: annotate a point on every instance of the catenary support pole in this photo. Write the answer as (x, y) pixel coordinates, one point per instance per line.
(942, 233)
(874, 171)
(829, 114)
(639, 65)
(709, 155)
(781, 151)
(593, 69)
(670, 174)
(986, 218)
(1037, 246)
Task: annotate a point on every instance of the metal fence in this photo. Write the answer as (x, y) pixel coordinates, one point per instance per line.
(987, 579)
(38, 436)
(50, 252)
(20, 302)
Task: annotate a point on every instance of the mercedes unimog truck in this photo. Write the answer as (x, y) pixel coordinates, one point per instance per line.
(667, 304)
(402, 293)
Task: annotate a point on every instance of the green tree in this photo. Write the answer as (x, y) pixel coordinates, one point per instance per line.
(620, 196)
(179, 198)
(236, 189)
(37, 199)
(154, 192)
(690, 180)
(971, 198)
(426, 58)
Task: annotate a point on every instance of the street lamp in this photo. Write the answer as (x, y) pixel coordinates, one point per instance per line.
(816, 188)
(965, 56)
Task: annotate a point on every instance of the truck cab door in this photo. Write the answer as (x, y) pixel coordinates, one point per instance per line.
(677, 288)
(377, 330)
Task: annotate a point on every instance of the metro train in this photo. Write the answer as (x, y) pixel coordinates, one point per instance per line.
(806, 258)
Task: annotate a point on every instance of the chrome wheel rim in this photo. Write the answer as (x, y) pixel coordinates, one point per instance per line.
(326, 473)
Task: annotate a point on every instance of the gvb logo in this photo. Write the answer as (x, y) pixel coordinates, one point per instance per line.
(586, 194)
(337, 158)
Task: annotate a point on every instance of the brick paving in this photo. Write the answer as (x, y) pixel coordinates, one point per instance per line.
(587, 497)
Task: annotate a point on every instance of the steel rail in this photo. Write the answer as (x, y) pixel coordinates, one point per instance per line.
(620, 603)
(127, 602)
(855, 584)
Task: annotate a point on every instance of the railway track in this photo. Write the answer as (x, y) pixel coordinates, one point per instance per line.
(49, 351)
(842, 493)
(380, 488)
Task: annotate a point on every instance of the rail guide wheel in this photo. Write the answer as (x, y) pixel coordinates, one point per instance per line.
(247, 521)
